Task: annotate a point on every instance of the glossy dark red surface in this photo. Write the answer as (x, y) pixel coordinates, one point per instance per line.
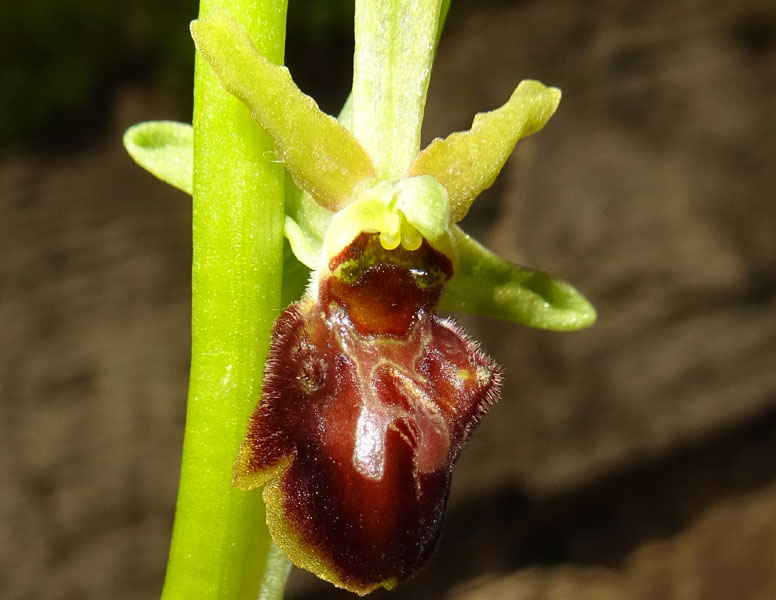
(371, 396)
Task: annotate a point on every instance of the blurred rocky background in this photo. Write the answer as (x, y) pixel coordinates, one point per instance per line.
(635, 460)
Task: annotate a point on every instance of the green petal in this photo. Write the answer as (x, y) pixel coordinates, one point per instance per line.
(394, 50)
(164, 149)
(485, 284)
(323, 157)
(467, 162)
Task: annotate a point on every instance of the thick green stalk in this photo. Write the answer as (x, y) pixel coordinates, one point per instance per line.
(221, 548)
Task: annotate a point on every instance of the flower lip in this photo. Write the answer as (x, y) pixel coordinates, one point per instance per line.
(357, 433)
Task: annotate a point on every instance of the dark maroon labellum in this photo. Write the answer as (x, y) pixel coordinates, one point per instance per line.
(368, 399)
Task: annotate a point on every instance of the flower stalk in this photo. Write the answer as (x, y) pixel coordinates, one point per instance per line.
(220, 547)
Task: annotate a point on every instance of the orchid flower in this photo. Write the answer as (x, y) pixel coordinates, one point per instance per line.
(368, 395)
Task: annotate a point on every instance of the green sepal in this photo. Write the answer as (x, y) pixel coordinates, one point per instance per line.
(164, 149)
(394, 50)
(468, 162)
(485, 284)
(323, 157)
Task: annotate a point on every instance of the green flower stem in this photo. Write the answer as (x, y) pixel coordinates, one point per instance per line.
(221, 548)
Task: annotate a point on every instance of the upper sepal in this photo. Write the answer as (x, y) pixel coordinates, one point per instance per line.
(394, 50)
(488, 285)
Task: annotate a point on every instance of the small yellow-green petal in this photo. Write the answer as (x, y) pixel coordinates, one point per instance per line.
(323, 157)
(164, 149)
(467, 162)
(485, 284)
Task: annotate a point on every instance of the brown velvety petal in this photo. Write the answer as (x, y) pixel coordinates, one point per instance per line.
(359, 427)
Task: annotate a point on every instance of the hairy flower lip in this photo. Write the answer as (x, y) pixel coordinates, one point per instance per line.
(367, 403)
